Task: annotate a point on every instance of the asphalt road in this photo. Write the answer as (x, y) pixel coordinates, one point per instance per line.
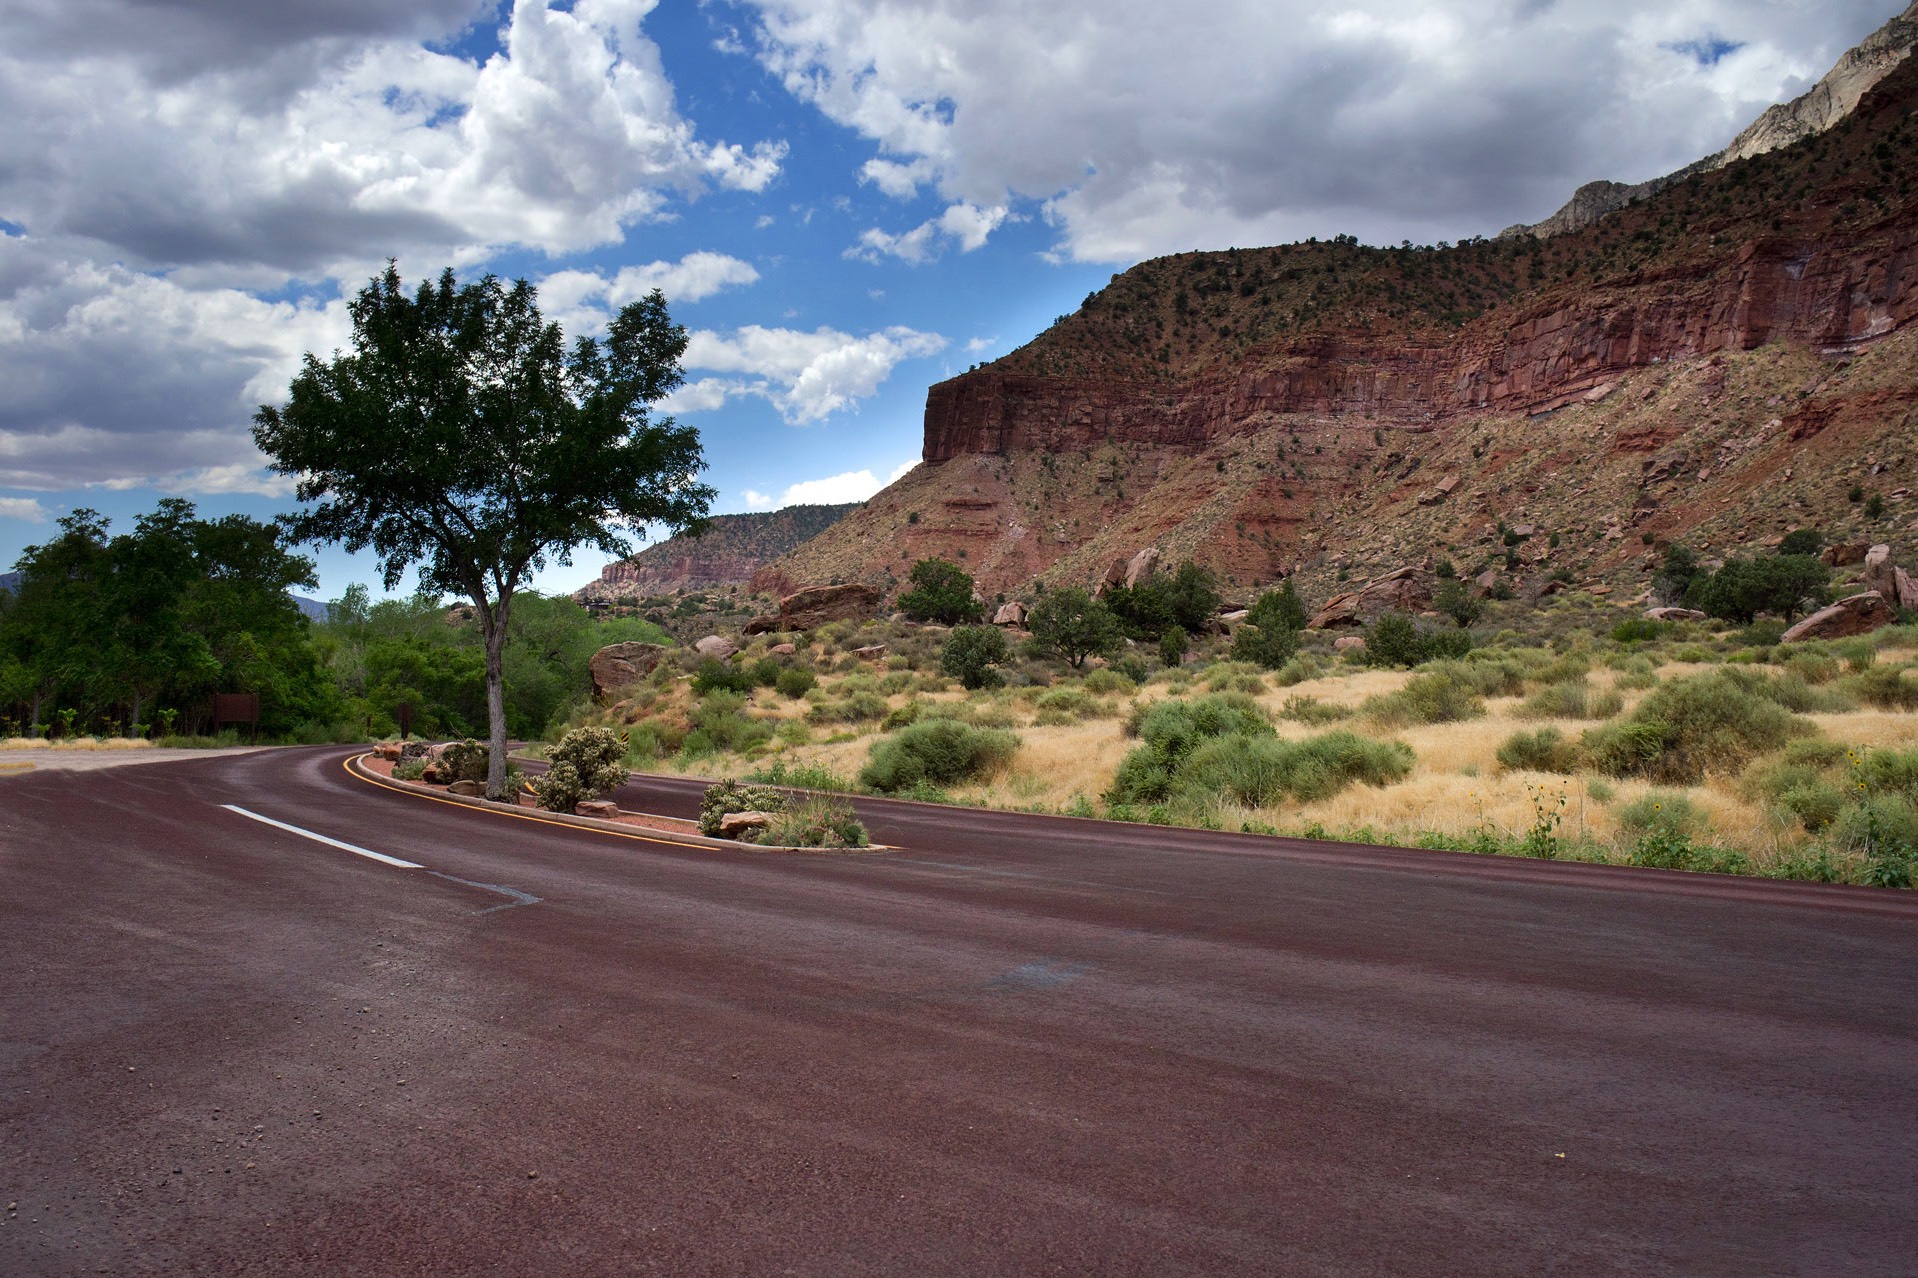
(1013, 1046)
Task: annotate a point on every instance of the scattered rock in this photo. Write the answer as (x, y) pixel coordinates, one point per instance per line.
(716, 646)
(471, 789)
(619, 665)
(782, 650)
(815, 606)
(737, 825)
(1141, 567)
(1843, 555)
(1011, 613)
(605, 809)
(1397, 591)
(1880, 572)
(1234, 618)
(1348, 644)
(1851, 616)
(872, 652)
(1674, 614)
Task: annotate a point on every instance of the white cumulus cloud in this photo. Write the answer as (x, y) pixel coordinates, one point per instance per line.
(23, 508)
(833, 490)
(1260, 121)
(808, 375)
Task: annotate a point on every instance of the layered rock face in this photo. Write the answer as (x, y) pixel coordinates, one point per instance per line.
(1833, 295)
(728, 553)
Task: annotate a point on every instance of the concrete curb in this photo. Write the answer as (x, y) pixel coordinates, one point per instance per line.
(357, 766)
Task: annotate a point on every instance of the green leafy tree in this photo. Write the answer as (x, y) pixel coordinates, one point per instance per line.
(1743, 588)
(973, 655)
(1456, 600)
(1802, 541)
(1185, 599)
(1070, 624)
(1674, 578)
(940, 592)
(459, 434)
(1270, 635)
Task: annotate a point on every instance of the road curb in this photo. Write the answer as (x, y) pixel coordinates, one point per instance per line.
(356, 765)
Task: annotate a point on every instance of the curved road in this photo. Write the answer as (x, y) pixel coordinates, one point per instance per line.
(1016, 1045)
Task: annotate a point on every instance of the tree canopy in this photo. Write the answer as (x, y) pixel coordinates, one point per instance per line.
(461, 435)
(940, 592)
(1070, 624)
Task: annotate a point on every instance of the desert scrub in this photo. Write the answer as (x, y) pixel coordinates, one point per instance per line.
(1069, 705)
(1235, 676)
(720, 723)
(1298, 670)
(1793, 692)
(936, 752)
(860, 707)
(794, 682)
(1105, 681)
(1260, 771)
(728, 797)
(409, 769)
(466, 760)
(1171, 730)
(1443, 695)
(1712, 722)
(817, 821)
(1313, 712)
(1547, 750)
(1572, 699)
(1886, 687)
(585, 764)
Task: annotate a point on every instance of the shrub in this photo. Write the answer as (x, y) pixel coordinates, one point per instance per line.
(973, 655)
(1108, 681)
(1394, 639)
(1568, 700)
(1709, 722)
(1547, 750)
(936, 752)
(1259, 771)
(1310, 710)
(1301, 668)
(1068, 705)
(794, 682)
(585, 764)
(466, 760)
(1172, 646)
(729, 797)
(1070, 624)
(1235, 676)
(1886, 687)
(940, 592)
(409, 769)
(714, 675)
(1637, 630)
(719, 722)
(1441, 696)
(1270, 636)
(819, 821)
(1170, 730)
(1791, 691)
(860, 707)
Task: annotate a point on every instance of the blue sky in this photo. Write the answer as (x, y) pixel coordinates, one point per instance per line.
(844, 200)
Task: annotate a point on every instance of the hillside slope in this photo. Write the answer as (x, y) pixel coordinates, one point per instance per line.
(730, 550)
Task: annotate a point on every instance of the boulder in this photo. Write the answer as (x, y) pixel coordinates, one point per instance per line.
(604, 809)
(1141, 567)
(1880, 573)
(1011, 613)
(1397, 591)
(1487, 579)
(1234, 618)
(1907, 589)
(1850, 616)
(1344, 644)
(815, 606)
(737, 825)
(782, 650)
(1842, 555)
(471, 789)
(716, 646)
(620, 665)
(1674, 614)
(872, 652)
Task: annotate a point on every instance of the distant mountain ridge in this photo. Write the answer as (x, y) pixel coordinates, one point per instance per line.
(1810, 113)
(728, 553)
(10, 582)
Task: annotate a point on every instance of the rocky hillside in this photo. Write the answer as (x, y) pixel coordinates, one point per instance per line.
(730, 550)
(1721, 362)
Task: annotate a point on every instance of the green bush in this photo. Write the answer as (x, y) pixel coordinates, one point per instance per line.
(1171, 730)
(719, 723)
(1637, 630)
(1547, 750)
(1886, 687)
(973, 655)
(1108, 681)
(1301, 668)
(1312, 711)
(1394, 639)
(1057, 706)
(1259, 771)
(940, 592)
(714, 675)
(585, 764)
(794, 682)
(729, 797)
(1684, 728)
(936, 752)
(466, 760)
(412, 769)
(860, 707)
(1440, 696)
(819, 821)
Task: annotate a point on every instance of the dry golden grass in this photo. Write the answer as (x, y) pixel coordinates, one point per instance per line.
(75, 743)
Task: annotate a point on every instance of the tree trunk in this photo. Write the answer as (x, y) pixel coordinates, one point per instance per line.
(493, 630)
(133, 725)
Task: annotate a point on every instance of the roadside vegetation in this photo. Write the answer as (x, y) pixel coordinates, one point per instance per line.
(1564, 728)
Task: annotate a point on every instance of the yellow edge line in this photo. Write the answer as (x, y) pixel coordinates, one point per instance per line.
(396, 788)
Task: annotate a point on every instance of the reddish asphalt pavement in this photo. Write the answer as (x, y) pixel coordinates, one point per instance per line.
(1015, 1045)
